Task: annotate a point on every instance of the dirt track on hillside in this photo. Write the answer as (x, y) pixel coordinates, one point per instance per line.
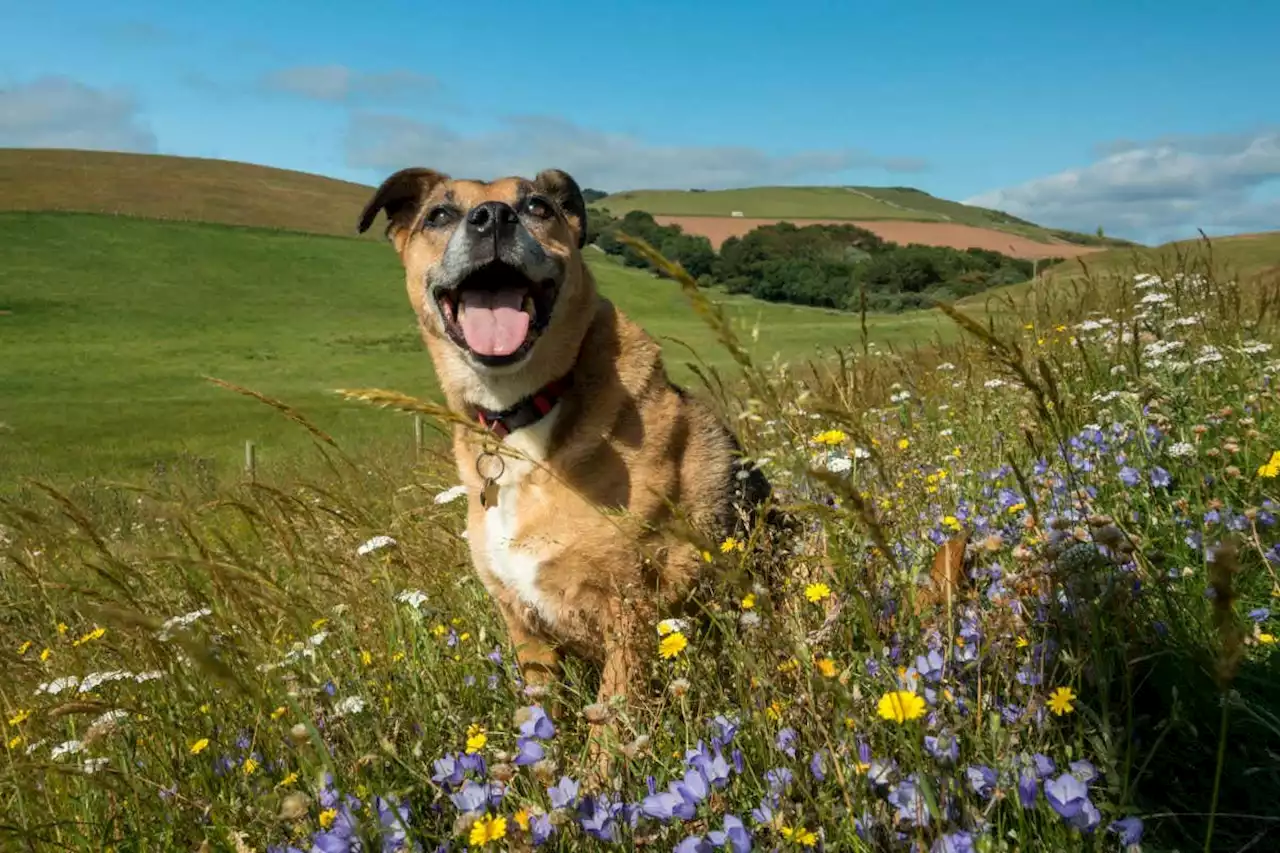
(720, 228)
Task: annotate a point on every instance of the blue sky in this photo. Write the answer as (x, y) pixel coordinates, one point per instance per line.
(1147, 119)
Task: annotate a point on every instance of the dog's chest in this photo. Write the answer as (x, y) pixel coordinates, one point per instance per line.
(515, 553)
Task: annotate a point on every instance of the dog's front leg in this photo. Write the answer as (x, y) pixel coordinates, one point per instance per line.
(622, 675)
(539, 660)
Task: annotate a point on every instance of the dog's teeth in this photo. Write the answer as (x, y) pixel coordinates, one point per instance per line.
(457, 312)
(530, 307)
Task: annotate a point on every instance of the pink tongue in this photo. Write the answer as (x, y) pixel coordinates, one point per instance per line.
(492, 321)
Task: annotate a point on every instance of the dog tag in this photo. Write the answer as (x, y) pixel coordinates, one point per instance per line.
(489, 494)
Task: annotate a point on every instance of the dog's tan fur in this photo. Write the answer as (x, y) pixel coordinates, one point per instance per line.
(592, 502)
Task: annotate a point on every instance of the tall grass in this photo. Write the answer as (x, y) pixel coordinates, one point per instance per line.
(307, 663)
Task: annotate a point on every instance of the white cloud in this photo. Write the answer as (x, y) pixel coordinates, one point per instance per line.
(58, 112)
(611, 161)
(1158, 190)
(342, 85)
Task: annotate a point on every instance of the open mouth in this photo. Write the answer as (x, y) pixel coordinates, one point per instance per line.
(497, 312)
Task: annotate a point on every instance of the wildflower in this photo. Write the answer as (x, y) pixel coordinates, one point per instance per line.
(1271, 468)
(816, 592)
(826, 666)
(279, 712)
(450, 495)
(1129, 829)
(66, 748)
(830, 437)
(375, 544)
(1266, 639)
(199, 746)
(348, 705)
(14, 742)
(24, 648)
(732, 544)
(249, 766)
(476, 739)
(44, 654)
(904, 443)
(61, 628)
(670, 626)
(672, 645)
(327, 818)
(748, 601)
(96, 634)
(799, 835)
(366, 657)
(287, 780)
(1060, 701)
(19, 718)
(900, 706)
(1069, 797)
(951, 522)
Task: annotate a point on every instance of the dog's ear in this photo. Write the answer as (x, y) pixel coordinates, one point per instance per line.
(566, 192)
(400, 196)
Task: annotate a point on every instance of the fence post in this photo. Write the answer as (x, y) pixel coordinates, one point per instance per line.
(250, 460)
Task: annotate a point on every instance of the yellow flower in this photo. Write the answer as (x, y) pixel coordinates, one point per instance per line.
(96, 634)
(1271, 468)
(799, 835)
(24, 648)
(476, 739)
(44, 654)
(288, 780)
(249, 766)
(279, 712)
(951, 521)
(732, 544)
(62, 627)
(827, 667)
(830, 437)
(788, 665)
(327, 817)
(397, 657)
(439, 630)
(366, 658)
(204, 709)
(816, 592)
(672, 644)
(774, 711)
(749, 601)
(1017, 508)
(14, 742)
(1060, 701)
(706, 556)
(1266, 639)
(900, 706)
(522, 819)
(19, 718)
(904, 443)
(199, 746)
(487, 829)
(1023, 642)
(318, 624)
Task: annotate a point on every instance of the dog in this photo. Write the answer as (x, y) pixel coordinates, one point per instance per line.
(574, 535)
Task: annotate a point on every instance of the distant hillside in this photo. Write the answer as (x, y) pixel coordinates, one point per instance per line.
(889, 211)
(181, 188)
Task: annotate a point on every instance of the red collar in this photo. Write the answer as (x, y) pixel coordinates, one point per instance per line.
(528, 411)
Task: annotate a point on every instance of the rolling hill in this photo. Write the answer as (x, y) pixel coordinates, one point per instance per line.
(901, 214)
(231, 193)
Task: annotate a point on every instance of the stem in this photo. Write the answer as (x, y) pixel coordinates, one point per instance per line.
(1217, 776)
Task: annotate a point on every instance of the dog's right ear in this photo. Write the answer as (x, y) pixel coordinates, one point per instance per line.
(400, 196)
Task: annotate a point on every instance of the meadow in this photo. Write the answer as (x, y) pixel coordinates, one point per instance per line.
(108, 326)
(304, 662)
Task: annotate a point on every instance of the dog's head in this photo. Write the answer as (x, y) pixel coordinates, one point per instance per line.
(494, 272)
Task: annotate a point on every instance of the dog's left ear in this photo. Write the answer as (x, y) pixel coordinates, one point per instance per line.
(566, 192)
(400, 196)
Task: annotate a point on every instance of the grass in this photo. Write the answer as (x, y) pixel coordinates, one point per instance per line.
(113, 322)
(248, 675)
(799, 203)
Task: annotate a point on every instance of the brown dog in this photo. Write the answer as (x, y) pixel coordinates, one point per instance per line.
(574, 541)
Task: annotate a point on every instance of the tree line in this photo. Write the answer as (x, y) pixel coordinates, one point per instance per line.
(823, 265)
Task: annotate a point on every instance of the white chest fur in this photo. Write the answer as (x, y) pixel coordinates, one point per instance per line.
(514, 559)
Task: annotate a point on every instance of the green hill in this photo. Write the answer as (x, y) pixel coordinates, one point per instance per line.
(182, 188)
(854, 203)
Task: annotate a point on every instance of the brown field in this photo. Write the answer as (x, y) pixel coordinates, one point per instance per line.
(717, 229)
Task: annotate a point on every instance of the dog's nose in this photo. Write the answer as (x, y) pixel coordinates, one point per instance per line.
(492, 217)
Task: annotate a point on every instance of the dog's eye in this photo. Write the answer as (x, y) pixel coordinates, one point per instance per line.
(539, 208)
(439, 216)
